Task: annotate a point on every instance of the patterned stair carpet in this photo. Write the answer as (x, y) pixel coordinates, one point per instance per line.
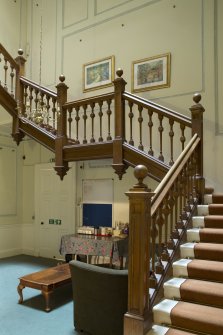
(193, 298)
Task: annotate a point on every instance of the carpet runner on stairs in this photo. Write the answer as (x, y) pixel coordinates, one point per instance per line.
(193, 298)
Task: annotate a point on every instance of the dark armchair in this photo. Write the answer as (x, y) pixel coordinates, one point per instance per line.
(100, 298)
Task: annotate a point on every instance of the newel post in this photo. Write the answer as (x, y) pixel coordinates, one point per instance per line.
(61, 166)
(197, 111)
(137, 320)
(20, 60)
(119, 87)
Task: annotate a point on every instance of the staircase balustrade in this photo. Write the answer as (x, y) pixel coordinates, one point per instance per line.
(92, 114)
(9, 71)
(131, 130)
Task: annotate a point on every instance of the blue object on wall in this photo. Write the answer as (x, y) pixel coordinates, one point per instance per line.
(97, 215)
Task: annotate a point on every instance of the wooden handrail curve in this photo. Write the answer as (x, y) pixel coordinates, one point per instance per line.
(8, 57)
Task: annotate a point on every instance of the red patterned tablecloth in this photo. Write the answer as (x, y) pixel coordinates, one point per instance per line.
(79, 244)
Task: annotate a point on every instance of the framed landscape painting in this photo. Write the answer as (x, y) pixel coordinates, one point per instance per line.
(151, 73)
(98, 74)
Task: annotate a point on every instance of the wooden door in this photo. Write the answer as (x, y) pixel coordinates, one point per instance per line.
(55, 209)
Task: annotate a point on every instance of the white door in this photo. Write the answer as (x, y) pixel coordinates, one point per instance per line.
(55, 209)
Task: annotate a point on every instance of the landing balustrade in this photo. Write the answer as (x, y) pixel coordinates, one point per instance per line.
(134, 132)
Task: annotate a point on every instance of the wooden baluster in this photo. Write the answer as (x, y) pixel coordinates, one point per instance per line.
(48, 112)
(152, 277)
(166, 212)
(42, 104)
(140, 120)
(12, 75)
(36, 99)
(159, 223)
(182, 138)
(26, 98)
(131, 115)
(137, 319)
(181, 185)
(100, 114)
(85, 121)
(177, 198)
(190, 186)
(171, 134)
(5, 69)
(77, 119)
(53, 129)
(30, 101)
(150, 124)
(69, 120)
(160, 129)
(194, 192)
(109, 112)
(170, 243)
(92, 116)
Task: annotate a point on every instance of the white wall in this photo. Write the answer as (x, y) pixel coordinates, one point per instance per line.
(77, 32)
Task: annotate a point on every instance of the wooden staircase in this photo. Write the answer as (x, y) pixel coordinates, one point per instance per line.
(158, 142)
(193, 297)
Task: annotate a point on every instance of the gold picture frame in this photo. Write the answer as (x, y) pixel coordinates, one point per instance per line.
(98, 74)
(151, 73)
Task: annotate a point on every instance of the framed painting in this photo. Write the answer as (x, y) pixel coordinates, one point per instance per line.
(151, 73)
(98, 74)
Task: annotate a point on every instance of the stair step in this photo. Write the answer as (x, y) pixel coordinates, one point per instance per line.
(208, 221)
(213, 221)
(198, 221)
(198, 269)
(208, 251)
(172, 288)
(160, 330)
(193, 235)
(213, 198)
(217, 198)
(180, 267)
(200, 318)
(215, 209)
(187, 250)
(197, 291)
(202, 210)
(208, 199)
(210, 235)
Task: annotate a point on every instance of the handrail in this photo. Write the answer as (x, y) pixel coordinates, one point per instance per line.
(9, 57)
(41, 88)
(82, 102)
(165, 185)
(158, 108)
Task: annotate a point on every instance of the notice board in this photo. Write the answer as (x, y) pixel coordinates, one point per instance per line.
(97, 202)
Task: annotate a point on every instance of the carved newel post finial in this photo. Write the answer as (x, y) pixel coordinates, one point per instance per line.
(140, 172)
(119, 72)
(62, 78)
(20, 52)
(197, 97)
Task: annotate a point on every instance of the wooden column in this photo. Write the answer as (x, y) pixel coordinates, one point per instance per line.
(61, 166)
(16, 133)
(119, 87)
(197, 111)
(137, 320)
